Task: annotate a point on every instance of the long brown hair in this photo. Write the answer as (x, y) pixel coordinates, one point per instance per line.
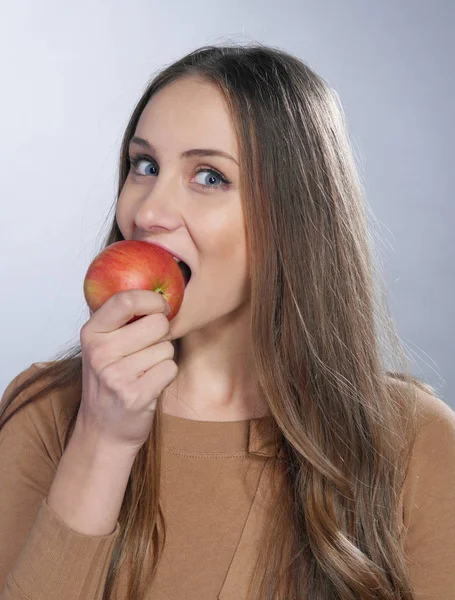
(328, 359)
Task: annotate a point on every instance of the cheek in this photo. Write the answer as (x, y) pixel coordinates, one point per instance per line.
(123, 217)
(231, 258)
(229, 244)
(120, 221)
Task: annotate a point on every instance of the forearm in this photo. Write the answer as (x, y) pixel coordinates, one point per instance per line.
(89, 485)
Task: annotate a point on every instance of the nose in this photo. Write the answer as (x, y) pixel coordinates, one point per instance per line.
(158, 209)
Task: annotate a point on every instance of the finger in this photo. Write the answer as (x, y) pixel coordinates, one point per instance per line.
(137, 336)
(123, 306)
(154, 381)
(132, 367)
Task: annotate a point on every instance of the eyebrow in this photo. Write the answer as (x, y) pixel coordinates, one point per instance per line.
(188, 153)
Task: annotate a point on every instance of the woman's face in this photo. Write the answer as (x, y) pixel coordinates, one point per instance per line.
(164, 200)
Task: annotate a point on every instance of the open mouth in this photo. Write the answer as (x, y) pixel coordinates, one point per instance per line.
(186, 271)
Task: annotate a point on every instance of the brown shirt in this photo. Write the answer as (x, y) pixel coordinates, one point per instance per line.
(212, 493)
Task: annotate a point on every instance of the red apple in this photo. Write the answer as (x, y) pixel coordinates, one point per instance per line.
(134, 265)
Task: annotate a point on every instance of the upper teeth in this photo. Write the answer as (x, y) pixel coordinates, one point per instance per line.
(177, 259)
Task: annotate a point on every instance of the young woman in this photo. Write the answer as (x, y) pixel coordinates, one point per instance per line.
(256, 446)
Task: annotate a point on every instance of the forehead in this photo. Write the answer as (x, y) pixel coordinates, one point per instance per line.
(188, 113)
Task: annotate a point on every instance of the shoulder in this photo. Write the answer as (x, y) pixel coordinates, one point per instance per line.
(435, 444)
(428, 498)
(432, 408)
(18, 380)
(430, 480)
(435, 426)
(435, 421)
(431, 412)
(47, 416)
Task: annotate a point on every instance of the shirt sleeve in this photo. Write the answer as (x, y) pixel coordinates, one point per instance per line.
(41, 558)
(429, 505)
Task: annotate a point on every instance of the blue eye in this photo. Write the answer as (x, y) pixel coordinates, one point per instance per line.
(213, 173)
(135, 160)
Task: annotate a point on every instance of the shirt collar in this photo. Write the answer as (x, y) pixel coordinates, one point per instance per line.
(263, 437)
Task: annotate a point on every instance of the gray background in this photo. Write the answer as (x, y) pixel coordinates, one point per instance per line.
(72, 72)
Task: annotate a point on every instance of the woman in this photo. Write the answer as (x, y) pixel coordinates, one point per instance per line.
(279, 459)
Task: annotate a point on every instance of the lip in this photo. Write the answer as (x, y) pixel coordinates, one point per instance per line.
(170, 252)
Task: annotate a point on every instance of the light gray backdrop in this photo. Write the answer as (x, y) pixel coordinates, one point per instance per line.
(72, 72)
